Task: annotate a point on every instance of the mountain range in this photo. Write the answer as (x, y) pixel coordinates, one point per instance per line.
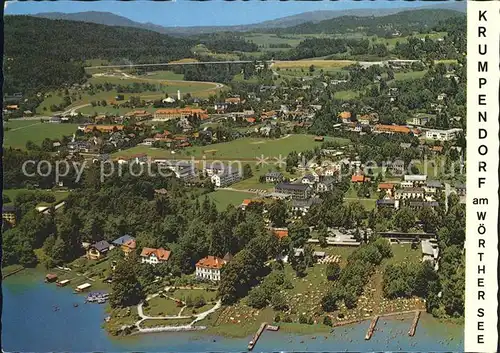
(111, 19)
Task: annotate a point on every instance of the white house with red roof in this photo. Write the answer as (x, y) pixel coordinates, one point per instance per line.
(209, 267)
(153, 256)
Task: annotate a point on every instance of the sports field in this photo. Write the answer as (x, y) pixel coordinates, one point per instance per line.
(244, 149)
(22, 131)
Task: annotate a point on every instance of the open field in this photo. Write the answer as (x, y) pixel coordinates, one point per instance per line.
(158, 306)
(224, 198)
(346, 95)
(411, 75)
(172, 322)
(167, 82)
(21, 132)
(263, 40)
(183, 294)
(244, 149)
(317, 63)
(163, 75)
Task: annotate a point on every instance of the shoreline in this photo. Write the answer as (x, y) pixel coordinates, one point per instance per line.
(291, 328)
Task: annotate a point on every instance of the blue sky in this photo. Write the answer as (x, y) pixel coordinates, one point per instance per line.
(195, 13)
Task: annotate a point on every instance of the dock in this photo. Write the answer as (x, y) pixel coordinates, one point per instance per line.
(414, 324)
(371, 328)
(257, 335)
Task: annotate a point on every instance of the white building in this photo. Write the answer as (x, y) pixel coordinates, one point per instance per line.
(153, 256)
(433, 186)
(430, 252)
(410, 193)
(227, 177)
(209, 267)
(415, 179)
(442, 135)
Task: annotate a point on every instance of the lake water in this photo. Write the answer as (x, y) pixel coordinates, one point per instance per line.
(30, 324)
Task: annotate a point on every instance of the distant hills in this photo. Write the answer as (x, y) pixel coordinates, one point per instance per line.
(111, 19)
(402, 22)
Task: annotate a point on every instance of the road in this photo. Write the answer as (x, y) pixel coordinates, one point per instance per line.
(174, 64)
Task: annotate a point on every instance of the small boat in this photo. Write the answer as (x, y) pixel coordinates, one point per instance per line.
(101, 301)
(56, 308)
(75, 305)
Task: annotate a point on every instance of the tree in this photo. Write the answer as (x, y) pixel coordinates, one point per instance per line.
(327, 321)
(322, 241)
(257, 298)
(278, 302)
(404, 219)
(126, 289)
(277, 213)
(47, 145)
(333, 271)
(329, 301)
(247, 171)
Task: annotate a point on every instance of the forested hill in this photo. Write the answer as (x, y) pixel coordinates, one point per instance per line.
(41, 53)
(403, 22)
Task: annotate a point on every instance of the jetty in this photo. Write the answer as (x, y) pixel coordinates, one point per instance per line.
(257, 335)
(414, 324)
(371, 328)
(63, 283)
(82, 287)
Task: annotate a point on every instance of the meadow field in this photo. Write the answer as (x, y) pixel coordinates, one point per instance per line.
(224, 198)
(244, 149)
(12, 193)
(319, 64)
(21, 131)
(168, 83)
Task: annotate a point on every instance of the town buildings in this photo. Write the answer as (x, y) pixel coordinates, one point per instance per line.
(442, 135)
(296, 191)
(98, 250)
(126, 243)
(175, 113)
(274, 177)
(225, 178)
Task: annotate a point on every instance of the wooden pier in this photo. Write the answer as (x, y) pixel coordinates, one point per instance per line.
(371, 328)
(256, 337)
(414, 324)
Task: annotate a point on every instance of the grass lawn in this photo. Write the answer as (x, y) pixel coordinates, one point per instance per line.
(59, 195)
(346, 95)
(21, 132)
(236, 321)
(159, 323)
(182, 294)
(119, 317)
(244, 149)
(161, 306)
(411, 75)
(319, 64)
(198, 89)
(224, 198)
(404, 253)
(163, 75)
(368, 204)
(263, 40)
